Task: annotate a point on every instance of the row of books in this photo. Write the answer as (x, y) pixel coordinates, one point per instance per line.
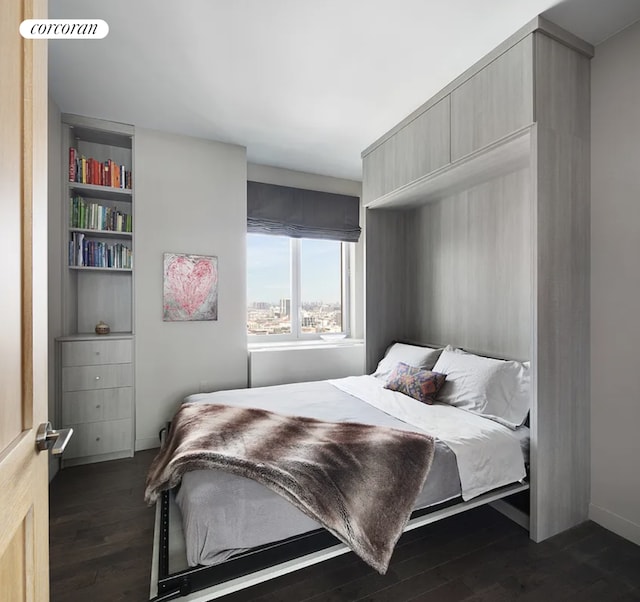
(93, 216)
(85, 252)
(100, 173)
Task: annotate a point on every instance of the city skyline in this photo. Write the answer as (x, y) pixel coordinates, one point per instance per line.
(271, 318)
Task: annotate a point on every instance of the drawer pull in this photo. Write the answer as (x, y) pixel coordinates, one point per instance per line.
(97, 378)
(97, 353)
(98, 407)
(97, 438)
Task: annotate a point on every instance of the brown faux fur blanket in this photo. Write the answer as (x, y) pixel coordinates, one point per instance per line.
(359, 481)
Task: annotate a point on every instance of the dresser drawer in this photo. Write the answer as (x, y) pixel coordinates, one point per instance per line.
(95, 438)
(84, 378)
(91, 353)
(93, 406)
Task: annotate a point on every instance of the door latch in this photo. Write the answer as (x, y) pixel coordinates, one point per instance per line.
(48, 438)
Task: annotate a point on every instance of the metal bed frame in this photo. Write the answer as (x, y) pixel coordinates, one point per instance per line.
(273, 560)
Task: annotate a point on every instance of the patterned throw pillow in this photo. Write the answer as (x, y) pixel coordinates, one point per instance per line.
(415, 382)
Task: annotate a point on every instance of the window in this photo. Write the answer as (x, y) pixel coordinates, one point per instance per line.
(296, 288)
(268, 284)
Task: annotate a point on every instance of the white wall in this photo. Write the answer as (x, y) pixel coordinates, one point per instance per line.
(615, 284)
(300, 179)
(55, 234)
(190, 197)
(309, 181)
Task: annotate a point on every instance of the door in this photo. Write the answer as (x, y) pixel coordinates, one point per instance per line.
(24, 529)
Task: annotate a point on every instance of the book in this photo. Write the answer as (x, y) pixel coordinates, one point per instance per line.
(72, 164)
(80, 249)
(98, 173)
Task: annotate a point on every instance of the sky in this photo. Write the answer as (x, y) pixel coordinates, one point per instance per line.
(268, 269)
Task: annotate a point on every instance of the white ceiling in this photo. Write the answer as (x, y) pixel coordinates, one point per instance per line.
(303, 84)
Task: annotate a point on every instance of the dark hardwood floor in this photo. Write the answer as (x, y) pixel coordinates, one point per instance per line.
(102, 535)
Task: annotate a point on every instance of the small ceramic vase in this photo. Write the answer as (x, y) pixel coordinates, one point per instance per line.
(102, 328)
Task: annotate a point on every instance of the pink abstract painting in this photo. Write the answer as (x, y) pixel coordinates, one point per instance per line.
(190, 287)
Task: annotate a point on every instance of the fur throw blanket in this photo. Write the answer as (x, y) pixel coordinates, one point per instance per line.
(359, 481)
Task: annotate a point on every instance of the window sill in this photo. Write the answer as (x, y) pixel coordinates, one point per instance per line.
(303, 344)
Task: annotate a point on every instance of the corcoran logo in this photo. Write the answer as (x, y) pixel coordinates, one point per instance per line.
(64, 29)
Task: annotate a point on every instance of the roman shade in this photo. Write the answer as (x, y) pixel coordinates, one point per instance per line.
(299, 213)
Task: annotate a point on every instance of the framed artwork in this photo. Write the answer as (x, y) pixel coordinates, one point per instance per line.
(190, 288)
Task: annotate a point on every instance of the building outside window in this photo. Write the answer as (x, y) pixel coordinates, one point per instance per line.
(297, 288)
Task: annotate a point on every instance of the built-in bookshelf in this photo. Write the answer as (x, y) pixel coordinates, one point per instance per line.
(95, 390)
(104, 219)
(98, 207)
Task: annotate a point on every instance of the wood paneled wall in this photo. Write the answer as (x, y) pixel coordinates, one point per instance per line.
(470, 262)
(385, 279)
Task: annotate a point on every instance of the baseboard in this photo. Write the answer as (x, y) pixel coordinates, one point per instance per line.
(619, 525)
(150, 443)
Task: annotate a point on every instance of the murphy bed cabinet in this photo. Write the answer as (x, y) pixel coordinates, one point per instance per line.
(477, 234)
(95, 388)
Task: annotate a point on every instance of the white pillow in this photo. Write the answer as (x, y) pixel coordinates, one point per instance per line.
(495, 389)
(414, 355)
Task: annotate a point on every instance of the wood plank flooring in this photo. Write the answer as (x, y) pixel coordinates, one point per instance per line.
(102, 536)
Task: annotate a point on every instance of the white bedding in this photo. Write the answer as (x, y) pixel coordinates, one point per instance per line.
(488, 454)
(224, 514)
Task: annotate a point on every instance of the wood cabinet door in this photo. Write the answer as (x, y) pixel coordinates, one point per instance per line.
(423, 146)
(24, 526)
(418, 149)
(377, 170)
(495, 102)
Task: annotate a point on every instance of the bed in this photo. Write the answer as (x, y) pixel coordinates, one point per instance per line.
(229, 520)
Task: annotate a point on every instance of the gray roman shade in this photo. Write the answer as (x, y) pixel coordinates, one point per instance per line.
(302, 213)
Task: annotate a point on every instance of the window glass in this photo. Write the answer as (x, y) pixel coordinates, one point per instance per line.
(295, 287)
(268, 284)
(320, 286)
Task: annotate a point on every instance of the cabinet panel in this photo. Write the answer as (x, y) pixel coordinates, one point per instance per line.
(419, 148)
(91, 353)
(563, 81)
(104, 296)
(95, 438)
(93, 406)
(495, 102)
(423, 145)
(378, 170)
(83, 378)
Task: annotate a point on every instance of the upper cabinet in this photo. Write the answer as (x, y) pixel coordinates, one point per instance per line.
(420, 147)
(482, 112)
(495, 102)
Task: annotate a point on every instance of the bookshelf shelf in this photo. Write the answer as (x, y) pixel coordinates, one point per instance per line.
(107, 193)
(88, 268)
(102, 233)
